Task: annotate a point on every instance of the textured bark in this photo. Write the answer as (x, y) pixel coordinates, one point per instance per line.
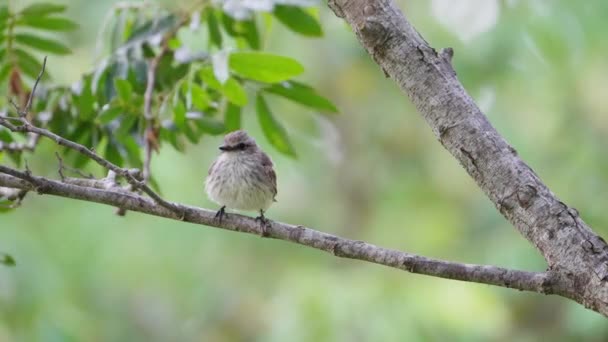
(103, 192)
(570, 247)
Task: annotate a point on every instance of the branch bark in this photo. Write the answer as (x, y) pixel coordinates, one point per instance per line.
(543, 282)
(568, 245)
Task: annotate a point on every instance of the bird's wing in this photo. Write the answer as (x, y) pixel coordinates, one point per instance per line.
(269, 170)
(211, 167)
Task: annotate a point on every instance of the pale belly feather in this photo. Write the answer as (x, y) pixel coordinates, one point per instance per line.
(236, 184)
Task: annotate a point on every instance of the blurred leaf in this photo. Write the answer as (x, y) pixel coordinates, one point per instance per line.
(251, 34)
(303, 94)
(200, 98)
(126, 125)
(190, 134)
(179, 114)
(42, 44)
(235, 92)
(5, 135)
(264, 67)
(169, 134)
(112, 154)
(16, 158)
(168, 75)
(85, 101)
(123, 89)
(49, 23)
(206, 74)
(109, 114)
(215, 35)
(274, 132)
(7, 259)
(28, 64)
(246, 29)
(4, 14)
(84, 136)
(42, 9)
(149, 30)
(5, 70)
(298, 20)
(232, 118)
(133, 150)
(210, 125)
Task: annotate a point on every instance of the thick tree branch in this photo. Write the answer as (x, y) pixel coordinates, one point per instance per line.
(544, 282)
(427, 77)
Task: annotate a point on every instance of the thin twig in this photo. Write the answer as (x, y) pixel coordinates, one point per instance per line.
(28, 104)
(62, 167)
(26, 127)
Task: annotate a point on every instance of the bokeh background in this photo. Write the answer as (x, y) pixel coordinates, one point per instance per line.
(537, 68)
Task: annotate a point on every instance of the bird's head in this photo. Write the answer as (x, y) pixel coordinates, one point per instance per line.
(238, 141)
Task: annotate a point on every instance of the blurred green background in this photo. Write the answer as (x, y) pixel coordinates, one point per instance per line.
(537, 68)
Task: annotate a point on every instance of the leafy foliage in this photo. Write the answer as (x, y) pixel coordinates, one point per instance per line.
(196, 91)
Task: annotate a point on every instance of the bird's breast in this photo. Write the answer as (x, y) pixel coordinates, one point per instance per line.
(239, 183)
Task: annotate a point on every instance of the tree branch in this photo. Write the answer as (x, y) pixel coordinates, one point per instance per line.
(427, 77)
(27, 127)
(544, 282)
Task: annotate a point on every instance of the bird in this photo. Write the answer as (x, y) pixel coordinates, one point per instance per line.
(242, 177)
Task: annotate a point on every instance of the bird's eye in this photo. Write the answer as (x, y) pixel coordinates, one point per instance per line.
(241, 146)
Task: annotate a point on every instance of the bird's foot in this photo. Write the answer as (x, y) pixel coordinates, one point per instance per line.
(220, 214)
(264, 224)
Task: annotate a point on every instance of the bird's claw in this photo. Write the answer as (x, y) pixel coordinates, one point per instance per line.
(220, 214)
(264, 223)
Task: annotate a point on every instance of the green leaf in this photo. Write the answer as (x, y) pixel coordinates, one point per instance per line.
(298, 20)
(232, 118)
(179, 114)
(5, 135)
(251, 34)
(4, 14)
(49, 23)
(112, 154)
(210, 125)
(190, 134)
(302, 94)
(132, 149)
(274, 132)
(215, 35)
(206, 75)
(149, 29)
(264, 67)
(28, 64)
(42, 44)
(42, 9)
(16, 158)
(85, 101)
(109, 114)
(126, 124)
(248, 30)
(200, 98)
(235, 92)
(7, 260)
(5, 70)
(123, 89)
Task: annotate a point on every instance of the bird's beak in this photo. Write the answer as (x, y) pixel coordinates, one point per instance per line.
(224, 148)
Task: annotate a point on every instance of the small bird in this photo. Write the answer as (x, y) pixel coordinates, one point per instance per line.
(242, 177)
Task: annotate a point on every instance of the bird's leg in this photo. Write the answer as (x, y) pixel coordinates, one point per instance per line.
(220, 214)
(263, 223)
